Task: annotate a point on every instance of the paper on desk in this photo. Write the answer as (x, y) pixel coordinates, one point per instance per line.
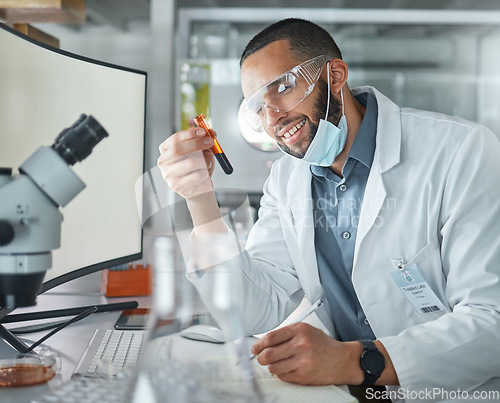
(291, 393)
(228, 378)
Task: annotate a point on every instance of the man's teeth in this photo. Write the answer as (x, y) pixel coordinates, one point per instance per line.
(292, 131)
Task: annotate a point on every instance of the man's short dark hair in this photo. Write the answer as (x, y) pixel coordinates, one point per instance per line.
(306, 39)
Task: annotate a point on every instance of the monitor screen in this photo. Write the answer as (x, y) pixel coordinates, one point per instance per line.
(43, 91)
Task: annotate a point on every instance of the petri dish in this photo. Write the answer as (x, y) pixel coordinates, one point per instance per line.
(27, 369)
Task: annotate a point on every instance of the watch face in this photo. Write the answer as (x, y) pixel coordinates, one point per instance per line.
(373, 362)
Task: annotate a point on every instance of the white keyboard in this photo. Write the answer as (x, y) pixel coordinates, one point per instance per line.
(89, 390)
(109, 352)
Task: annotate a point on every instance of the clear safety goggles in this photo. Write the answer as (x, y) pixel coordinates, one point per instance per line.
(283, 93)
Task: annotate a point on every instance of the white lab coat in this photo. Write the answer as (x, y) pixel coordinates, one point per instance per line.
(433, 199)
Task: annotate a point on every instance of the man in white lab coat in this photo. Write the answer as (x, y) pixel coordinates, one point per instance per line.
(414, 270)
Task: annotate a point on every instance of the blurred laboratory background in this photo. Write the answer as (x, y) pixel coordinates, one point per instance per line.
(440, 55)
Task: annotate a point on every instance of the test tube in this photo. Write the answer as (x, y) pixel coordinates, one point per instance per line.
(201, 121)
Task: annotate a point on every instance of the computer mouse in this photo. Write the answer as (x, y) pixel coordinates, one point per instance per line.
(204, 333)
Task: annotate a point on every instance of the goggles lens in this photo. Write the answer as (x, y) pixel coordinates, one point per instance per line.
(283, 93)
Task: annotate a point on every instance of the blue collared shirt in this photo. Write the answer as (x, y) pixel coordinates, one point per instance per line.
(337, 206)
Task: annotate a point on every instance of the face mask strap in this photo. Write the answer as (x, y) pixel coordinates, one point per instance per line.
(342, 99)
(328, 97)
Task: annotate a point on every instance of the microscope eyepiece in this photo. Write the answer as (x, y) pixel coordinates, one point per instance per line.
(75, 143)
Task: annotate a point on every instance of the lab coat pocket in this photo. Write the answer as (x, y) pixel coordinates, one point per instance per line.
(428, 263)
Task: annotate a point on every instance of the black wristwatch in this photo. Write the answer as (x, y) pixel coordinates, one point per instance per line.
(372, 362)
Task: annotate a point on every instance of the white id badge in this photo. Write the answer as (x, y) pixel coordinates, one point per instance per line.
(416, 289)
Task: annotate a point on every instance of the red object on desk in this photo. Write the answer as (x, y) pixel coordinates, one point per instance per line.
(132, 282)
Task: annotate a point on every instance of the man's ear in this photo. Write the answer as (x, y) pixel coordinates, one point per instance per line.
(338, 74)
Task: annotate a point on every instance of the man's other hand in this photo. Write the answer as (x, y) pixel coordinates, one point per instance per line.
(303, 354)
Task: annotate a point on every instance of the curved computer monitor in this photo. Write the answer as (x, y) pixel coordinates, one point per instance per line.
(44, 90)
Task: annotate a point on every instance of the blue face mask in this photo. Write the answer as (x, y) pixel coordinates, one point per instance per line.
(329, 140)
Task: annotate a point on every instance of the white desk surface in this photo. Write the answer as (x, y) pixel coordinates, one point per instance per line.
(71, 342)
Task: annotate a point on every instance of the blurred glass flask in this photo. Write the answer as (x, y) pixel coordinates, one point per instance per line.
(159, 377)
(166, 372)
(215, 261)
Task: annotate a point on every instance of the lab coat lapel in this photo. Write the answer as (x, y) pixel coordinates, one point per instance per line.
(387, 155)
(299, 189)
(373, 201)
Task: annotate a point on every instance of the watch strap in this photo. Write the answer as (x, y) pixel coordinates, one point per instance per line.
(370, 378)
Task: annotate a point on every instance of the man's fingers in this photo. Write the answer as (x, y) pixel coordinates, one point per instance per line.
(193, 183)
(182, 136)
(292, 377)
(179, 166)
(272, 339)
(185, 142)
(179, 169)
(190, 146)
(283, 367)
(275, 354)
(184, 162)
(209, 161)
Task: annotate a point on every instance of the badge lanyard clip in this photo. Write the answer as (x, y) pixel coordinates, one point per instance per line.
(405, 273)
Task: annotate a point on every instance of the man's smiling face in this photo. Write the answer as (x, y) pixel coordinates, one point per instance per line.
(293, 130)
